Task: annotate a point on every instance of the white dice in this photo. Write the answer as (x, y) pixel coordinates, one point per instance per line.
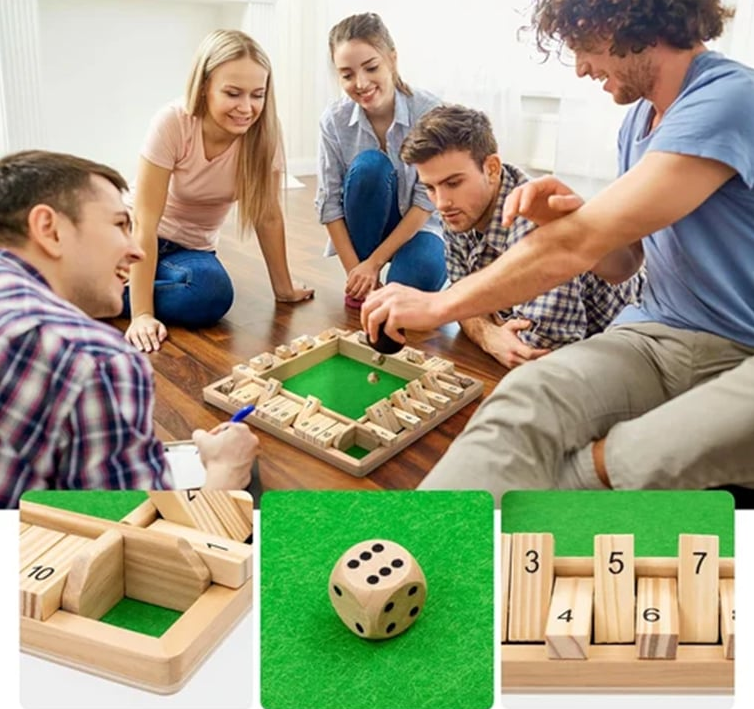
(377, 589)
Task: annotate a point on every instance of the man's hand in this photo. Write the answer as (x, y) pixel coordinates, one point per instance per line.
(540, 201)
(362, 279)
(146, 333)
(227, 452)
(503, 343)
(401, 307)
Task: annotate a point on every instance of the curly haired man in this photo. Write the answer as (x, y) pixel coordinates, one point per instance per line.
(662, 399)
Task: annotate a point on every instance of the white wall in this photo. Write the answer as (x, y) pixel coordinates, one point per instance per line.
(108, 65)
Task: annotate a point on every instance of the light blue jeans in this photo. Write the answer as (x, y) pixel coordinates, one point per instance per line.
(191, 288)
(370, 206)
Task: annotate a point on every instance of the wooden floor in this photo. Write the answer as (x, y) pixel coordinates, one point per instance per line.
(189, 360)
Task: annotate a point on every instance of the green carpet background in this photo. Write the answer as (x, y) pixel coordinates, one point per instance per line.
(310, 660)
(654, 517)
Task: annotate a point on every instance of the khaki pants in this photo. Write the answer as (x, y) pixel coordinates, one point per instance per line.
(677, 408)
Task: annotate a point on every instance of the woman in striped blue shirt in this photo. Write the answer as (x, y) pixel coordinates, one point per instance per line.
(375, 210)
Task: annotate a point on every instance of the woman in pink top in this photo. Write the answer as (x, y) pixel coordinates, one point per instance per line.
(196, 161)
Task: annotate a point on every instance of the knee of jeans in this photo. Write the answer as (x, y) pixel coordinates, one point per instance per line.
(370, 165)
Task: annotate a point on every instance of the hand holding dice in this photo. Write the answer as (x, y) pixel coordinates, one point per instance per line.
(377, 589)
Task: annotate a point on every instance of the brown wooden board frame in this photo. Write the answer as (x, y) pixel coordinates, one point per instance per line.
(349, 344)
(162, 665)
(697, 668)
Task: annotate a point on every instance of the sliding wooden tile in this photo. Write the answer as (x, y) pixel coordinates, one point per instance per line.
(656, 618)
(244, 501)
(728, 618)
(189, 507)
(505, 583)
(237, 525)
(698, 588)
(96, 581)
(568, 632)
(614, 582)
(228, 561)
(531, 586)
(41, 582)
(34, 542)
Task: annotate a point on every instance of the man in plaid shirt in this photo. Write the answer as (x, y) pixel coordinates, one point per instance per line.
(76, 399)
(455, 153)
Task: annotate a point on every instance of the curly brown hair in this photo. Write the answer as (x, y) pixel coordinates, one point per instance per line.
(629, 25)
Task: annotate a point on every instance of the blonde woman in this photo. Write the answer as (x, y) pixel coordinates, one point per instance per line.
(223, 145)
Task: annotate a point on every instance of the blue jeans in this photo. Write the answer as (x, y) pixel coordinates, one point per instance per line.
(191, 288)
(370, 206)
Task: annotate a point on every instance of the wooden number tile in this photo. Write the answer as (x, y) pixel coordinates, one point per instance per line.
(236, 524)
(531, 586)
(346, 438)
(284, 352)
(96, 580)
(261, 362)
(382, 414)
(430, 382)
(399, 400)
(439, 401)
(728, 618)
(35, 541)
(408, 421)
(386, 438)
(416, 391)
(245, 395)
(242, 374)
(271, 407)
(614, 581)
(657, 618)
(286, 415)
(329, 435)
(569, 621)
(505, 575)
(319, 427)
(326, 335)
(187, 507)
(698, 588)
(270, 389)
(228, 561)
(303, 343)
(451, 390)
(41, 582)
(439, 364)
(422, 410)
(413, 355)
(310, 407)
(302, 427)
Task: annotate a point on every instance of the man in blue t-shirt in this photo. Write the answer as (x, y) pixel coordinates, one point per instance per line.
(663, 399)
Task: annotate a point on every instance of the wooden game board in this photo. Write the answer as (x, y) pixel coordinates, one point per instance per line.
(612, 621)
(75, 567)
(434, 392)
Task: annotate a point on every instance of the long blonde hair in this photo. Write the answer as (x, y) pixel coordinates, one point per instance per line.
(256, 187)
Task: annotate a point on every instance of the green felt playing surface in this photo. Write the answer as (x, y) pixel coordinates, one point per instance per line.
(112, 505)
(654, 517)
(341, 384)
(308, 656)
(105, 504)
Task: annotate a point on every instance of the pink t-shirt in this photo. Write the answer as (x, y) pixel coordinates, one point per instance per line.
(201, 191)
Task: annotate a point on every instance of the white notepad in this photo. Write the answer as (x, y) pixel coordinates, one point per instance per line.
(186, 465)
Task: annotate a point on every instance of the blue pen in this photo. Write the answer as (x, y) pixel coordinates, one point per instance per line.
(241, 414)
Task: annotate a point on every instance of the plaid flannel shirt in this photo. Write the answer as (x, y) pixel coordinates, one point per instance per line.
(581, 307)
(76, 399)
